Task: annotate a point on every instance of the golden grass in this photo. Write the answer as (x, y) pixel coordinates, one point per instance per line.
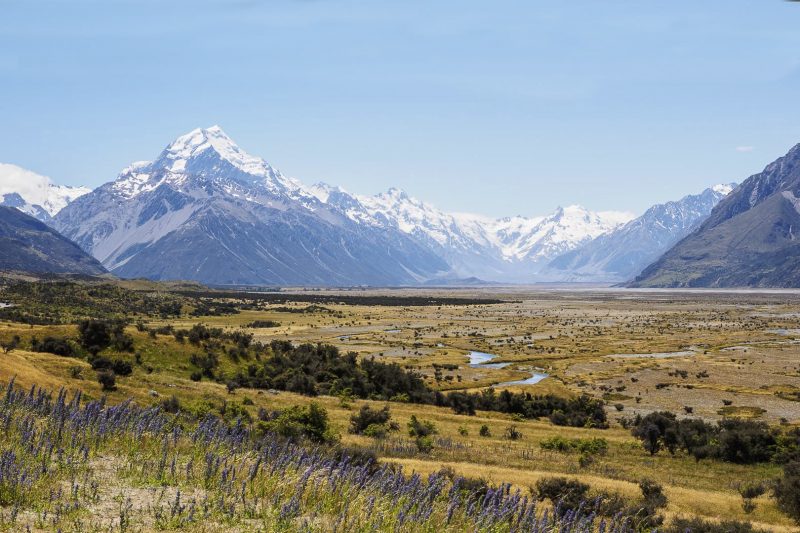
(568, 336)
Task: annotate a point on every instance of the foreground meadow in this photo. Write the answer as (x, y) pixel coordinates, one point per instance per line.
(716, 356)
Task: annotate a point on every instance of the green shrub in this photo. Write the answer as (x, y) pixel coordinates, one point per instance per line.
(424, 444)
(301, 422)
(367, 416)
(421, 428)
(787, 490)
(54, 345)
(107, 380)
(593, 446)
(376, 431)
(570, 492)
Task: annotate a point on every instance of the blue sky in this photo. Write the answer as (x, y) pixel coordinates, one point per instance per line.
(501, 107)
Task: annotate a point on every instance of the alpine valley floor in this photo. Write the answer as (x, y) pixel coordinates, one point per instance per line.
(703, 354)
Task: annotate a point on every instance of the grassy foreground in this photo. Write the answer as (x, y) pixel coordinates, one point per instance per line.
(67, 465)
(105, 463)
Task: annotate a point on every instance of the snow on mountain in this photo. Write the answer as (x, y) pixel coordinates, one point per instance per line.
(540, 239)
(34, 194)
(622, 254)
(211, 155)
(206, 210)
(508, 249)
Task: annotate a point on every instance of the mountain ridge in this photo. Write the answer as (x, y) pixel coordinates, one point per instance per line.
(30, 245)
(622, 254)
(748, 240)
(206, 210)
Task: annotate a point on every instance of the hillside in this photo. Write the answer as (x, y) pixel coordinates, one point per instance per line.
(749, 239)
(28, 245)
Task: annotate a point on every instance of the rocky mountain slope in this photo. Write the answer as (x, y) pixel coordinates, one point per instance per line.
(750, 239)
(29, 245)
(620, 255)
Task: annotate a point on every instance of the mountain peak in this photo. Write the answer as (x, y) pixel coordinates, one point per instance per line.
(199, 140)
(394, 192)
(723, 188)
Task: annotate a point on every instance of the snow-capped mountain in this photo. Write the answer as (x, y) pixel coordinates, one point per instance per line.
(205, 210)
(34, 194)
(622, 254)
(506, 249)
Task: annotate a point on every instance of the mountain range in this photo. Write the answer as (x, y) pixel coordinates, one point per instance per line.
(206, 210)
(622, 254)
(750, 239)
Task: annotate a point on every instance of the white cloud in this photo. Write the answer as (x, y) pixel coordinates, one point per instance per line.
(745, 149)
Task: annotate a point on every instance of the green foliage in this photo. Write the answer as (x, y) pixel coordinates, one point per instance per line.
(591, 446)
(64, 302)
(787, 490)
(377, 431)
(97, 335)
(107, 379)
(120, 367)
(300, 422)
(263, 324)
(367, 417)
(424, 444)
(206, 363)
(582, 411)
(55, 345)
(569, 492)
(313, 369)
(421, 428)
(732, 440)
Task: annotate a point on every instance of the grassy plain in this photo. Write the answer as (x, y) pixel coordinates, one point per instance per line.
(713, 353)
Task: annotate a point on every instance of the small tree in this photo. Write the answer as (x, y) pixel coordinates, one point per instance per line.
(301, 422)
(421, 428)
(749, 493)
(570, 492)
(512, 433)
(367, 417)
(8, 346)
(787, 490)
(107, 379)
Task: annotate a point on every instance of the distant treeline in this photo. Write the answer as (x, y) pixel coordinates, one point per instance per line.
(348, 299)
(61, 302)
